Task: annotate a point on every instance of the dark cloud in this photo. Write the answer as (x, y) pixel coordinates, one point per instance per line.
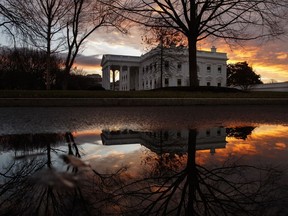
(90, 61)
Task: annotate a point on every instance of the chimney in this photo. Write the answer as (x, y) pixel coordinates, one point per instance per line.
(213, 49)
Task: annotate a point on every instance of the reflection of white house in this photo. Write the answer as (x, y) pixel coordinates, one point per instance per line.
(168, 141)
(145, 72)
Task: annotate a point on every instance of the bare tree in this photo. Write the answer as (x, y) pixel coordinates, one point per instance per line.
(85, 18)
(197, 20)
(39, 23)
(163, 38)
(190, 188)
(58, 26)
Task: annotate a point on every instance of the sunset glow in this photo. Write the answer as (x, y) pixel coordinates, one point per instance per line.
(269, 59)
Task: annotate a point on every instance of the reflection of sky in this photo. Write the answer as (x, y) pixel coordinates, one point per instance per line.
(266, 144)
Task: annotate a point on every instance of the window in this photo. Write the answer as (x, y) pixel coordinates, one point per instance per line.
(208, 68)
(150, 83)
(166, 64)
(179, 82)
(219, 84)
(207, 133)
(218, 132)
(219, 69)
(179, 134)
(166, 135)
(179, 66)
(208, 84)
(166, 82)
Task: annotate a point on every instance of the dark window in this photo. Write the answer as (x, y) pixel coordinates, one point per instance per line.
(179, 65)
(219, 84)
(219, 69)
(209, 68)
(218, 132)
(166, 82)
(179, 82)
(208, 84)
(166, 64)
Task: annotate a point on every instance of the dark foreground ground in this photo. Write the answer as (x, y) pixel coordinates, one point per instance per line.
(160, 97)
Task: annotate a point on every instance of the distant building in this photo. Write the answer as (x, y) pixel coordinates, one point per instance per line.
(276, 87)
(145, 72)
(96, 79)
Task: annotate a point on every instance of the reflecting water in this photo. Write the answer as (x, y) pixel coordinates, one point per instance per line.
(216, 169)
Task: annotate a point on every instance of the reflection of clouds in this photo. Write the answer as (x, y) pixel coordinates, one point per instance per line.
(280, 146)
(265, 142)
(103, 158)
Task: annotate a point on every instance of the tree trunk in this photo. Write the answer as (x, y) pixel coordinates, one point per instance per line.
(192, 52)
(48, 72)
(65, 78)
(192, 45)
(191, 172)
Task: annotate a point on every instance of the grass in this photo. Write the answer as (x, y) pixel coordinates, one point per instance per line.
(160, 93)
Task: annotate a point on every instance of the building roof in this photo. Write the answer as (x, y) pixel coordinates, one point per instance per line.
(120, 59)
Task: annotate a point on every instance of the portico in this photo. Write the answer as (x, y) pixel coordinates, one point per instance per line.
(124, 68)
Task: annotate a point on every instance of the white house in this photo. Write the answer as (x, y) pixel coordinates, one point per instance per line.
(168, 65)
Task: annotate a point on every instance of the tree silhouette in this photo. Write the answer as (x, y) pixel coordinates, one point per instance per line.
(57, 26)
(197, 20)
(242, 75)
(193, 189)
(240, 132)
(23, 68)
(175, 185)
(36, 184)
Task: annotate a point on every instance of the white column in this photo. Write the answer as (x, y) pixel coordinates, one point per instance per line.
(120, 80)
(128, 78)
(106, 77)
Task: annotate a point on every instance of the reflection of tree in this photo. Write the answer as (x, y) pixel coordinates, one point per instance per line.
(231, 189)
(35, 184)
(174, 185)
(240, 132)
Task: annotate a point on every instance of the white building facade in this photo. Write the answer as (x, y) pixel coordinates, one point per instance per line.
(163, 68)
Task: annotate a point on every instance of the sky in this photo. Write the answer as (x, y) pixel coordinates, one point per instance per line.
(268, 58)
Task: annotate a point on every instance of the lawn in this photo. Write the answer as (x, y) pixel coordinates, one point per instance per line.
(160, 93)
